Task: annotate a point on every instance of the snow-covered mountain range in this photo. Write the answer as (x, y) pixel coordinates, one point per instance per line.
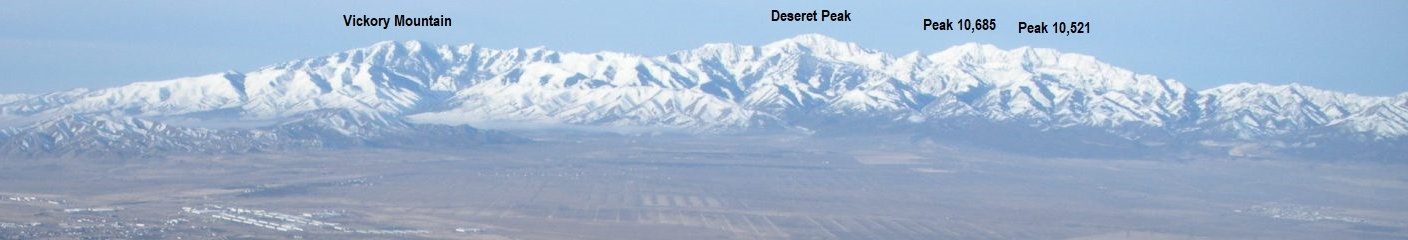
(807, 83)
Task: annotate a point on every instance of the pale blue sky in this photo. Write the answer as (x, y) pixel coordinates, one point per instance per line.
(1353, 46)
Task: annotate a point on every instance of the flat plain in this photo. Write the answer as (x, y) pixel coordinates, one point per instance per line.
(734, 187)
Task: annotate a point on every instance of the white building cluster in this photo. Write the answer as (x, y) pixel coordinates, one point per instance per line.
(260, 218)
(282, 221)
(1300, 213)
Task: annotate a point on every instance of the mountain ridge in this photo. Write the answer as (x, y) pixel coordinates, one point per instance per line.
(126, 136)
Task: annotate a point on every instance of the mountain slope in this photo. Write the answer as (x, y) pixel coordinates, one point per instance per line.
(122, 136)
(343, 128)
(80, 135)
(1260, 109)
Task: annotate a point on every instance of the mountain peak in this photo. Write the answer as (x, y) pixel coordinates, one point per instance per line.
(810, 39)
(971, 49)
(8, 98)
(719, 47)
(979, 47)
(388, 49)
(405, 43)
(823, 47)
(817, 43)
(1298, 89)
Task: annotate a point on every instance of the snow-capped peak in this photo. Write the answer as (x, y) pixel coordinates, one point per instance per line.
(812, 41)
(821, 46)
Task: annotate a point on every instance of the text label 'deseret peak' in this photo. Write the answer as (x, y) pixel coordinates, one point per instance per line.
(813, 16)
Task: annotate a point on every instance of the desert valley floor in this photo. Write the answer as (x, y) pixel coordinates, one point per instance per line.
(758, 187)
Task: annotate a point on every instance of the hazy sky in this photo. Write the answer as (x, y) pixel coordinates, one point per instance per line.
(1353, 46)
